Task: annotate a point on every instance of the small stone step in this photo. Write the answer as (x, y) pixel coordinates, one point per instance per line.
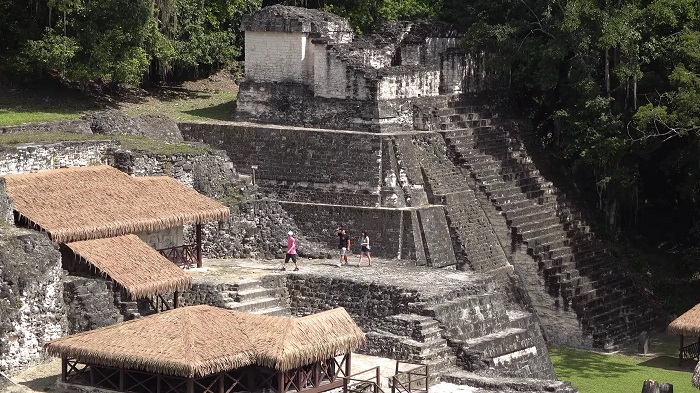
(255, 293)
(253, 305)
(273, 312)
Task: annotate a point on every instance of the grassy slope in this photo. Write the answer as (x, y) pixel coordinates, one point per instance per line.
(24, 106)
(619, 373)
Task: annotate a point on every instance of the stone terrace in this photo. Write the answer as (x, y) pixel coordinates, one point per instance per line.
(446, 318)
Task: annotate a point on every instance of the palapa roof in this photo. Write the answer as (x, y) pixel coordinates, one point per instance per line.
(73, 204)
(198, 341)
(687, 324)
(133, 264)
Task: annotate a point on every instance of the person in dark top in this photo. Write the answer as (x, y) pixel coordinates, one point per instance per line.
(343, 246)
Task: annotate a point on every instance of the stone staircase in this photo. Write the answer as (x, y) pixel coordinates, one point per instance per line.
(416, 339)
(251, 296)
(577, 269)
(474, 242)
(487, 336)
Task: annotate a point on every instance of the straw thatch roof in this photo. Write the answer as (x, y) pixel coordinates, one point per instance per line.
(132, 264)
(201, 340)
(687, 324)
(92, 202)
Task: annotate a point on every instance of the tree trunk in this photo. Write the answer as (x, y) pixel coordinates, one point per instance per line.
(607, 72)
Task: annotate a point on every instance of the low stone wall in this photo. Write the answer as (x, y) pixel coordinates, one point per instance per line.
(37, 156)
(31, 304)
(209, 172)
(75, 126)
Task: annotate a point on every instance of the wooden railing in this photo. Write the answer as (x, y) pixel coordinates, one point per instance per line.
(373, 382)
(690, 352)
(184, 256)
(414, 380)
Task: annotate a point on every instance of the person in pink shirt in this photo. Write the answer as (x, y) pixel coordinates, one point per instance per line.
(291, 251)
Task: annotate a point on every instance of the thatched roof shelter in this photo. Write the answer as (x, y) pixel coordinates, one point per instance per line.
(133, 264)
(74, 204)
(202, 340)
(687, 324)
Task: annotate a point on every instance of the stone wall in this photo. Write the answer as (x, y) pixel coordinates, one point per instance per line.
(209, 172)
(37, 156)
(385, 227)
(76, 126)
(300, 165)
(90, 303)
(31, 304)
(275, 56)
(6, 209)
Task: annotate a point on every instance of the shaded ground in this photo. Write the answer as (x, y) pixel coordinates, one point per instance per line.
(211, 98)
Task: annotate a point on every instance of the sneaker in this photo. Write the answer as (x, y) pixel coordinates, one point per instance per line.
(296, 269)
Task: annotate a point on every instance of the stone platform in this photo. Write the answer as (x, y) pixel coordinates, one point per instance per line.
(429, 282)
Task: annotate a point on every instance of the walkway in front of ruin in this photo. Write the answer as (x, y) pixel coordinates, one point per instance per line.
(426, 280)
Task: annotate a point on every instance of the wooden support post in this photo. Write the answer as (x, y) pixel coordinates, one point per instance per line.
(427, 378)
(378, 380)
(64, 369)
(199, 245)
(680, 352)
(190, 385)
(121, 379)
(347, 365)
(280, 382)
(176, 295)
(222, 376)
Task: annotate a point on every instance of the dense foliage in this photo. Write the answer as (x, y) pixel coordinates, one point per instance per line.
(612, 88)
(119, 40)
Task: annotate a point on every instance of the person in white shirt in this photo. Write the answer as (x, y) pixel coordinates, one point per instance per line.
(364, 248)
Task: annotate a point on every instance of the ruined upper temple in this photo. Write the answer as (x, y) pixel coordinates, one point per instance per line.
(306, 68)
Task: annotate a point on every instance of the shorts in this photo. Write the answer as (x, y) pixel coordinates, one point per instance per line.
(343, 251)
(293, 257)
(365, 249)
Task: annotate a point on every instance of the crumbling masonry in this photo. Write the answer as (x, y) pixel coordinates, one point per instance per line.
(386, 131)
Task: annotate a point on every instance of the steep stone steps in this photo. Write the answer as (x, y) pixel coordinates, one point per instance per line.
(573, 264)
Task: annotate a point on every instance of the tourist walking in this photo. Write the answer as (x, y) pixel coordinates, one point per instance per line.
(364, 249)
(291, 251)
(343, 246)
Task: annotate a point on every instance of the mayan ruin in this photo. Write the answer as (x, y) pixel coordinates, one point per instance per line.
(367, 216)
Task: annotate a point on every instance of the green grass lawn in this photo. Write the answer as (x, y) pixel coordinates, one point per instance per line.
(619, 373)
(199, 106)
(28, 106)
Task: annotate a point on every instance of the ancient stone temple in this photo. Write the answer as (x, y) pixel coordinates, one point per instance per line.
(389, 132)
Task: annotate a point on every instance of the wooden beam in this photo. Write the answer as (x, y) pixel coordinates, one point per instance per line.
(176, 296)
(680, 352)
(199, 245)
